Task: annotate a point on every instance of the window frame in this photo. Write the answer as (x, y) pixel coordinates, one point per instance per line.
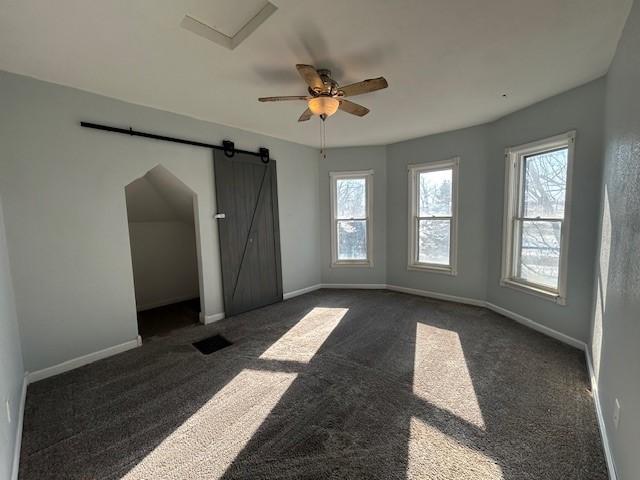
(514, 172)
(414, 171)
(333, 180)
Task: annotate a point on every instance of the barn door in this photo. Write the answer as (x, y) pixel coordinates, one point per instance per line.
(247, 202)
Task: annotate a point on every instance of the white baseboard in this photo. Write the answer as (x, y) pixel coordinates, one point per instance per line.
(18, 444)
(162, 303)
(209, 319)
(495, 308)
(83, 360)
(302, 291)
(527, 322)
(437, 296)
(611, 466)
(356, 286)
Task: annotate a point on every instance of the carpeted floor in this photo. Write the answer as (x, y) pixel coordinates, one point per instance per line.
(335, 384)
(161, 321)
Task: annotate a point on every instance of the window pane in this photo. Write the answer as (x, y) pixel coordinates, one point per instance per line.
(434, 193)
(545, 184)
(351, 198)
(352, 240)
(433, 241)
(540, 253)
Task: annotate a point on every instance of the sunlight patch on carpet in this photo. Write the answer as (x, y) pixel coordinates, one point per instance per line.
(306, 337)
(207, 443)
(441, 375)
(433, 452)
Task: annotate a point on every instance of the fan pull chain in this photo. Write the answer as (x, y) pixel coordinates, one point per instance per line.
(321, 149)
(323, 139)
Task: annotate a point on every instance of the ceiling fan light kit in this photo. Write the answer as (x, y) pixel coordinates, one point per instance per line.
(323, 105)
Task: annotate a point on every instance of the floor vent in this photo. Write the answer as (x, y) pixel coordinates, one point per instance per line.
(212, 344)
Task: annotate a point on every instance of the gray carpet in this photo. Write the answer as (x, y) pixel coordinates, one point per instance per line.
(335, 384)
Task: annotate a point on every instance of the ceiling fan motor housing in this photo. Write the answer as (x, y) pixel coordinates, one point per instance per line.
(330, 85)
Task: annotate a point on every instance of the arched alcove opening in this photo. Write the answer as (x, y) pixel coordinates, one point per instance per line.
(161, 212)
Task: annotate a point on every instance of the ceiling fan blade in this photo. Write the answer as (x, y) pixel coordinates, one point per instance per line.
(366, 86)
(282, 99)
(310, 75)
(353, 108)
(306, 115)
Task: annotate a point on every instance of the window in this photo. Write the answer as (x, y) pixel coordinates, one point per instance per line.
(537, 209)
(433, 192)
(351, 197)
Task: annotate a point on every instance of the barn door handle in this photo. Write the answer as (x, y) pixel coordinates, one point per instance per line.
(219, 216)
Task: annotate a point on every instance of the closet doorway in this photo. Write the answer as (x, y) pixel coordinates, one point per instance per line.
(162, 232)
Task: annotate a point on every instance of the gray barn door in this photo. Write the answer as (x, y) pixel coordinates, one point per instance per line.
(247, 195)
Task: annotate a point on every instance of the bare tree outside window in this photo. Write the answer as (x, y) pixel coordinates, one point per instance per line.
(537, 216)
(432, 216)
(351, 218)
(541, 215)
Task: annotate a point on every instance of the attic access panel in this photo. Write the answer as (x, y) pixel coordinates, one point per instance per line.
(227, 22)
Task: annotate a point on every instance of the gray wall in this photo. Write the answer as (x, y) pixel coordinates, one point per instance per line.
(351, 159)
(580, 109)
(165, 264)
(481, 206)
(11, 368)
(616, 324)
(65, 213)
(471, 146)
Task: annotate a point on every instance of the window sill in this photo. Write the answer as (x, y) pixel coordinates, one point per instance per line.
(432, 269)
(538, 292)
(355, 263)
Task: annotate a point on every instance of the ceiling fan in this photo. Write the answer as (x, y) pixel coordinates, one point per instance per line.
(326, 96)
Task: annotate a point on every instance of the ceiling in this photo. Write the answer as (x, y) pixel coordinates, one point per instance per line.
(448, 62)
